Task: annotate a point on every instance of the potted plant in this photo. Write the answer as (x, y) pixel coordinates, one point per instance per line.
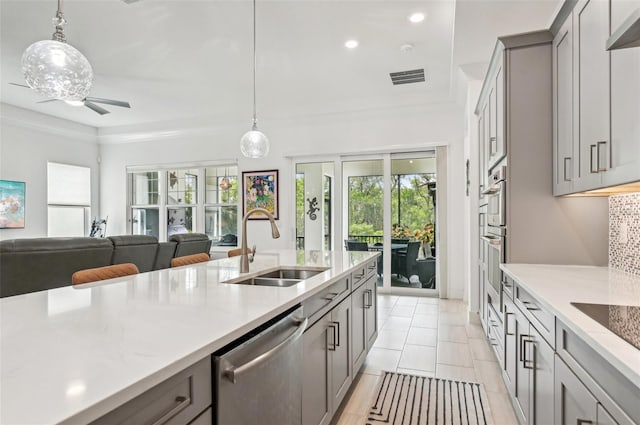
(426, 236)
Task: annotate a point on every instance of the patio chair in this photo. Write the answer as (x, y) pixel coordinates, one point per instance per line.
(408, 261)
(357, 246)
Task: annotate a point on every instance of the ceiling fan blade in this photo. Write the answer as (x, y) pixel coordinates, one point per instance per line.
(95, 107)
(48, 100)
(20, 85)
(109, 101)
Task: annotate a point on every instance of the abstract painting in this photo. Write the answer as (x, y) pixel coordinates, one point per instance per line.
(12, 197)
(260, 190)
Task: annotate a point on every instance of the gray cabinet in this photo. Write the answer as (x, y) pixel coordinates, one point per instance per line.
(625, 104)
(371, 311)
(327, 372)
(600, 148)
(177, 400)
(563, 110)
(510, 349)
(365, 322)
(534, 372)
(574, 403)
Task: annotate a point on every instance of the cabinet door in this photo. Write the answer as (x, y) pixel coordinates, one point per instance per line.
(500, 149)
(574, 404)
(316, 401)
(563, 109)
(371, 311)
(341, 354)
(482, 159)
(510, 348)
(541, 356)
(591, 20)
(603, 417)
(625, 104)
(522, 371)
(358, 328)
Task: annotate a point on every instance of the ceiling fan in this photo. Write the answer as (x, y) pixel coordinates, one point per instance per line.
(89, 102)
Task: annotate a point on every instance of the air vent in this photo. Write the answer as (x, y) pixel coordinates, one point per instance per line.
(407, 77)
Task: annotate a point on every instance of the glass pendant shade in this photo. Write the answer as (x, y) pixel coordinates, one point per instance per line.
(254, 144)
(57, 70)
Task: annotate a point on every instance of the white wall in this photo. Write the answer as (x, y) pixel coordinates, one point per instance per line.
(400, 129)
(28, 140)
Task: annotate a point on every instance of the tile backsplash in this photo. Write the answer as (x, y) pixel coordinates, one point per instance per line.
(624, 232)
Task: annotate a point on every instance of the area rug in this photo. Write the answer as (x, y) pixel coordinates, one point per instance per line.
(420, 400)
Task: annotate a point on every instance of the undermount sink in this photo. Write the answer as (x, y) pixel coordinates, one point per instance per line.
(283, 277)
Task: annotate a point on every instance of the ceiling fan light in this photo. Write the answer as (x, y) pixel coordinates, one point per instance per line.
(57, 70)
(254, 144)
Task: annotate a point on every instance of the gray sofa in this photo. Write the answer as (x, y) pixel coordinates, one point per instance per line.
(30, 265)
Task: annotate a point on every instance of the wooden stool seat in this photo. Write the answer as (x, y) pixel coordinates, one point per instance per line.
(102, 273)
(190, 259)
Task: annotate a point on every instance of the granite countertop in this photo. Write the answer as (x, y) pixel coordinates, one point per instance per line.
(556, 287)
(72, 354)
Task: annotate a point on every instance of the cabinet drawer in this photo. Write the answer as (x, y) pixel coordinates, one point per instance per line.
(359, 275)
(178, 400)
(372, 266)
(495, 333)
(542, 320)
(619, 396)
(507, 286)
(316, 306)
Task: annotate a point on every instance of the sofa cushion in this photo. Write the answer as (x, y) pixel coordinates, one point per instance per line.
(164, 255)
(30, 265)
(137, 249)
(191, 243)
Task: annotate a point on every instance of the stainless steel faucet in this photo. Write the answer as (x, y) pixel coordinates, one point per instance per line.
(244, 253)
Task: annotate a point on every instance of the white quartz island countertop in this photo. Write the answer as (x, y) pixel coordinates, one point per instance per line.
(72, 354)
(556, 287)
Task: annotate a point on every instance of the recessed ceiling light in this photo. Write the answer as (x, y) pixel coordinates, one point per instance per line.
(416, 17)
(351, 44)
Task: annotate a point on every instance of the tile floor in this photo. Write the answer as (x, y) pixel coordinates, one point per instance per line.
(427, 336)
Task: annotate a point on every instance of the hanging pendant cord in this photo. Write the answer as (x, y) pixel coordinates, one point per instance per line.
(254, 63)
(59, 23)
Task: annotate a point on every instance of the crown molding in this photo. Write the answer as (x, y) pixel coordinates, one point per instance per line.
(42, 123)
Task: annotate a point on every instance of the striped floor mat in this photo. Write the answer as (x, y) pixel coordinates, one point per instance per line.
(419, 400)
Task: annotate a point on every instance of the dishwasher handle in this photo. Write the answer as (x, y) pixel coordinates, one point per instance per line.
(232, 372)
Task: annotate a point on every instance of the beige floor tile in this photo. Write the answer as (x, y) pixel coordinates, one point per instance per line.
(415, 372)
(490, 375)
(456, 373)
(452, 318)
(501, 409)
(411, 301)
(425, 321)
(395, 323)
(380, 359)
(474, 331)
(382, 311)
(392, 340)
(418, 357)
(454, 353)
(427, 308)
(387, 301)
(403, 311)
(349, 419)
(422, 336)
(428, 300)
(357, 401)
(452, 333)
(453, 306)
(481, 350)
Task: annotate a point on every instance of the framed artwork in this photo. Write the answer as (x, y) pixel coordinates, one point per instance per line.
(260, 190)
(12, 197)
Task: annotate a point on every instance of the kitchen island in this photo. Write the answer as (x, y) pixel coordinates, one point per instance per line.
(73, 354)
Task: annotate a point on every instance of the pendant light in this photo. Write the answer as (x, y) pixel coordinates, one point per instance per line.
(254, 143)
(56, 69)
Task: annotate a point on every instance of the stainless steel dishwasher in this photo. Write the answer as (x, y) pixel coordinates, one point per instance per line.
(258, 378)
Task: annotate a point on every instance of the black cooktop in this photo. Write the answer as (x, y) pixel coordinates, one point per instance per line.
(622, 320)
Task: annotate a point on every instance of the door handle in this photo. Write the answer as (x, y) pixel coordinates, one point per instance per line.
(600, 168)
(593, 169)
(336, 340)
(566, 159)
(232, 372)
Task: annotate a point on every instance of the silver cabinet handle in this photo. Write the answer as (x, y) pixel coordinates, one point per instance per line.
(583, 421)
(183, 403)
(526, 363)
(567, 179)
(601, 168)
(359, 276)
(368, 298)
(492, 240)
(336, 339)
(521, 344)
(593, 169)
(493, 140)
(232, 373)
(330, 296)
(506, 323)
(333, 345)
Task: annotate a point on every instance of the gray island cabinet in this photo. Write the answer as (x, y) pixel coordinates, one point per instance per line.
(138, 349)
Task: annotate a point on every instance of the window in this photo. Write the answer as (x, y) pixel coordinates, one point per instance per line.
(68, 199)
(177, 196)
